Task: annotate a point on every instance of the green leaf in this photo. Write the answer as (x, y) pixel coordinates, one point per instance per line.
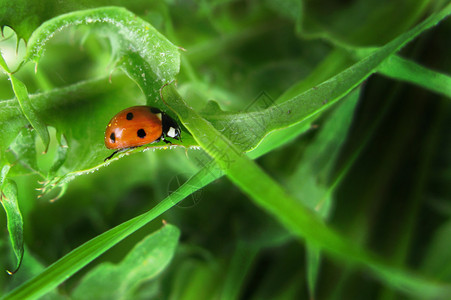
(315, 100)
(406, 70)
(311, 180)
(3, 174)
(196, 279)
(81, 256)
(438, 253)
(20, 90)
(23, 148)
(270, 196)
(145, 261)
(80, 113)
(298, 219)
(137, 47)
(60, 157)
(359, 23)
(140, 48)
(3, 64)
(78, 258)
(335, 62)
(30, 267)
(11, 121)
(8, 199)
(322, 96)
(25, 16)
(242, 260)
(264, 193)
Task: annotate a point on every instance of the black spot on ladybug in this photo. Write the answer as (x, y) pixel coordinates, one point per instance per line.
(141, 133)
(113, 137)
(129, 116)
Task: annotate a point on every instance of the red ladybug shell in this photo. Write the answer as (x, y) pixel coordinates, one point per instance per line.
(132, 127)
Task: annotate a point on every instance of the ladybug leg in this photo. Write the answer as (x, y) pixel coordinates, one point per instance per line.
(118, 151)
(162, 138)
(111, 156)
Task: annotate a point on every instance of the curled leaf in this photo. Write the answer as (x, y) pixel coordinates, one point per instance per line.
(20, 90)
(133, 40)
(8, 199)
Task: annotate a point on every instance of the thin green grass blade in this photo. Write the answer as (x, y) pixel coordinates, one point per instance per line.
(319, 98)
(242, 260)
(307, 104)
(298, 219)
(402, 69)
(311, 181)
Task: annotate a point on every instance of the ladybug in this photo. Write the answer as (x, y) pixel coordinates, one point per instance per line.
(137, 126)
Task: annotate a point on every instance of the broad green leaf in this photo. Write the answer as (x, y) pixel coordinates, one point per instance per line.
(60, 158)
(3, 174)
(80, 257)
(20, 90)
(145, 261)
(25, 16)
(79, 113)
(24, 150)
(82, 125)
(11, 121)
(137, 44)
(261, 122)
(8, 198)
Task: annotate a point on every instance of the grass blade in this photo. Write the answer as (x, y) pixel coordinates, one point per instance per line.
(406, 70)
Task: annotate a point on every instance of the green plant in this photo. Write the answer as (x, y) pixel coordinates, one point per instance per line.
(292, 126)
